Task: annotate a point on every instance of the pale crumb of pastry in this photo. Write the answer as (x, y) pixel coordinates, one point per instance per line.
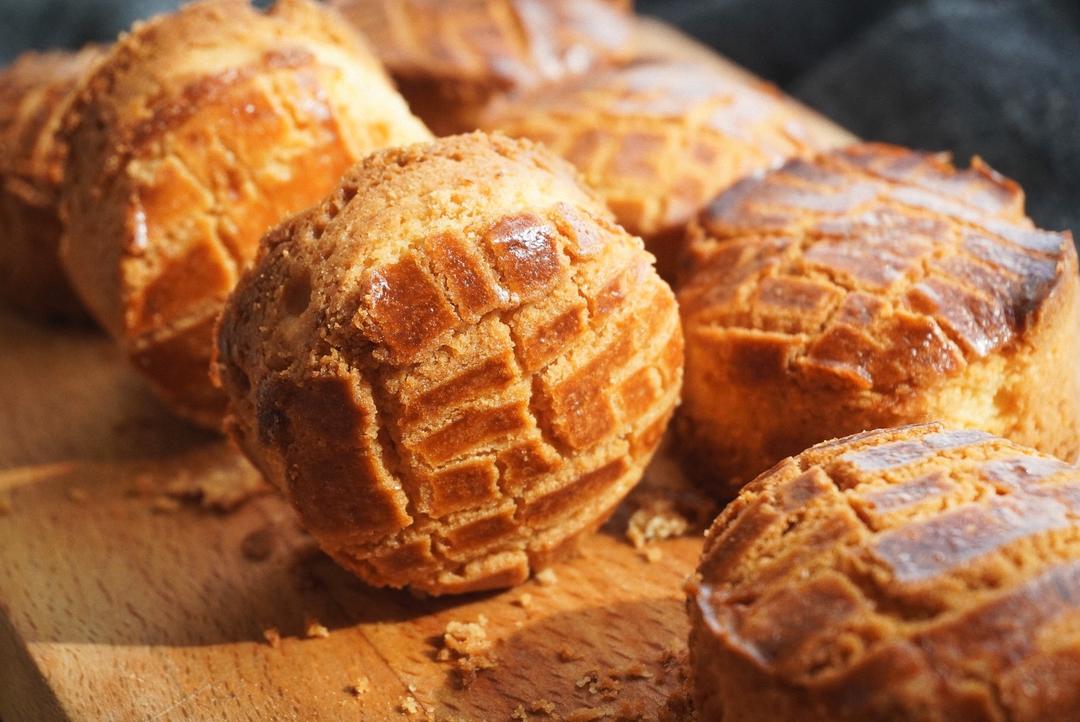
(467, 645)
(651, 554)
(657, 519)
(408, 705)
(524, 601)
(273, 637)
(314, 629)
(589, 678)
(635, 670)
(542, 706)
(222, 490)
(547, 577)
(360, 687)
(519, 713)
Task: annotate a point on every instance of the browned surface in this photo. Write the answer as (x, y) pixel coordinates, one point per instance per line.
(112, 611)
(196, 133)
(450, 57)
(917, 574)
(870, 287)
(454, 366)
(35, 90)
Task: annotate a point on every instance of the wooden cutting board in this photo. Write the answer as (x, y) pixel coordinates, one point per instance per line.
(126, 596)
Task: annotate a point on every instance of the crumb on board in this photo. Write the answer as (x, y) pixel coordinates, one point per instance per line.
(524, 601)
(467, 645)
(542, 706)
(519, 713)
(408, 705)
(314, 629)
(590, 714)
(566, 654)
(651, 554)
(77, 494)
(546, 577)
(222, 490)
(273, 637)
(360, 687)
(656, 519)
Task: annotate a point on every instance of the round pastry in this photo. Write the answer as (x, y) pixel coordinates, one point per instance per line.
(660, 138)
(870, 287)
(35, 91)
(907, 575)
(451, 57)
(454, 366)
(197, 133)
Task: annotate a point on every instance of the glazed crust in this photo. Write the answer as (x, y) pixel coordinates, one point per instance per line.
(660, 138)
(873, 286)
(198, 132)
(452, 57)
(35, 91)
(454, 366)
(908, 575)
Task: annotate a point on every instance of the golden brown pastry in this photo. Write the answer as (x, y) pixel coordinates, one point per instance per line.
(870, 287)
(906, 575)
(454, 366)
(660, 138)
(35, 91)
(198, 132)
(452, 57)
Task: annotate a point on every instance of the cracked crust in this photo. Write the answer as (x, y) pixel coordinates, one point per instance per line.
(197, 132)
(454, 366)
(870, 287)
(452, 57)
(660, 138)
(35, 91)
(916, 574)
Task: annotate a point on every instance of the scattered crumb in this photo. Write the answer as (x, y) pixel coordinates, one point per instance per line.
(219, 489)
(466, 644)
(589, 714)
(589, 678)
(258, 545)
(77, 494)
(566, 654)
(273, 637)
(656, 519)
(524, 601)
(519, 713)
(546, 577)
(360, 687)
(409, 705)
(652, 554)
(164, 505)
(313, 629)
(542, 706)
(635, 670)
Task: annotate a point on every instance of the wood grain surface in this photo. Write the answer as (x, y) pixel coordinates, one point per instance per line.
(124, 595)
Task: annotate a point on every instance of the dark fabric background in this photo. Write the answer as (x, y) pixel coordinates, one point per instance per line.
(997, 78)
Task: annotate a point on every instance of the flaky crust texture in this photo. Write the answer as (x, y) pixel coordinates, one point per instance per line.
(451, 57)
(35, 91)
(198, 132)
(660, 138)
(454, 366)
(910, 575)
(874, 286)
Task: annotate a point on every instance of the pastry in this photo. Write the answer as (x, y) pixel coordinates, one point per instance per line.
(869, 287)
(35, 91)
(660, 138)
(451, 57)
(915, 574)
(196, 133)
(454, 366)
